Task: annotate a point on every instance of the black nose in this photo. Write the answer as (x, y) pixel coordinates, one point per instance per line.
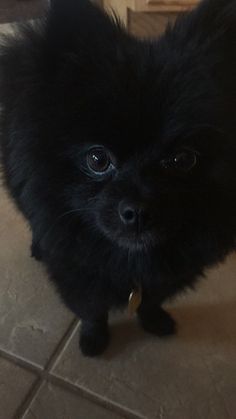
(129, 213)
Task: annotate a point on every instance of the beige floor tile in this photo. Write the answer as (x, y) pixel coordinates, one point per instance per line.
(56, 403)
(192, 375)
(6, 28)
(32, 318)
(15, 383)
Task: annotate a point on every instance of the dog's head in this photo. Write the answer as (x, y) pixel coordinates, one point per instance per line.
(134, 137)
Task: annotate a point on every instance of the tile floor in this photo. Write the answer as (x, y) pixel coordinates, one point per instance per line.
(44, 376)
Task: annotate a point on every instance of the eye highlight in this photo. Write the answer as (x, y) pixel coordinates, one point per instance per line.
(99, 161)
(184, 161)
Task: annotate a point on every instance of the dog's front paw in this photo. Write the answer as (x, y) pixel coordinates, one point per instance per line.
(157, 322)
(93, 340)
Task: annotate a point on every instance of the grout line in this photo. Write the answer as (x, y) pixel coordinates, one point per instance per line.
(35, 368)
(21, 362)
(30, 397)
(86, 393)
(94, 397)
(45, 375)
(24, 407)
(62, 345)
(42, 373)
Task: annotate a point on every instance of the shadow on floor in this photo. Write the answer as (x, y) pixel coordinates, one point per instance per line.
(203, 323)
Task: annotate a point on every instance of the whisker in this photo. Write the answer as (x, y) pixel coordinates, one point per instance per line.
(78, 210)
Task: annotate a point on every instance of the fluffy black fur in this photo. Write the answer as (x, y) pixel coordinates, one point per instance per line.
(165, 110)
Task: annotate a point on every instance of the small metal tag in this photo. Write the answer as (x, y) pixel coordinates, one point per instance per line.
(135, 300)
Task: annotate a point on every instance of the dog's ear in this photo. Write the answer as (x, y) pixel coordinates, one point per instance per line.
(202, 47)
(71, 9)
(78, 21)
(81, 32)
(214, 19)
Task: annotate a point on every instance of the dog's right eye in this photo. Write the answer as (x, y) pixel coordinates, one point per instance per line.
(99, 160)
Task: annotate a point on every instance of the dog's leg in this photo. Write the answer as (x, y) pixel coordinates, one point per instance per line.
(94, 336)
(154, 319)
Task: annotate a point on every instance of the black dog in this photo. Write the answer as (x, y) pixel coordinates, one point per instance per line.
(121, 154)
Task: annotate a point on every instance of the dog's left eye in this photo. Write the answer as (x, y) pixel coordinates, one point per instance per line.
(99, 160)
(184, 161)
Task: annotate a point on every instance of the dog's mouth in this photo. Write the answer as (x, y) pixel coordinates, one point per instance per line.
(142, 242)
(130, 239)
(133, 242)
